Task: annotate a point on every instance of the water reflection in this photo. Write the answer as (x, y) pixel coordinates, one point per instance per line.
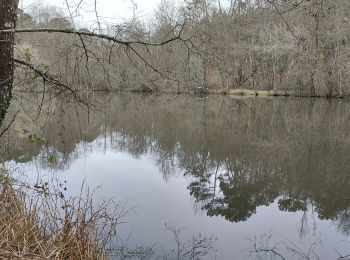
(237, 154)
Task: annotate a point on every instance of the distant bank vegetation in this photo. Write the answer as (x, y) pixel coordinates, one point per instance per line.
(293, 47)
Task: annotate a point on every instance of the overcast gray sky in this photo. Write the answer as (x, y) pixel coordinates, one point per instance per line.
(108, 10)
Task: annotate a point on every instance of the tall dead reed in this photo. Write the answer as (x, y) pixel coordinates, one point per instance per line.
(37, 224)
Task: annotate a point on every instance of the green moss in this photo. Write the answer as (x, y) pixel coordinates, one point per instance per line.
(263, 93)
(5, 103)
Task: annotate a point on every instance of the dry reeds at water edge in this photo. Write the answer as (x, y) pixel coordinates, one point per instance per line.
(36, 224)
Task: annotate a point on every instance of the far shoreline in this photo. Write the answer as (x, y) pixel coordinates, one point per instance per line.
(223, 92)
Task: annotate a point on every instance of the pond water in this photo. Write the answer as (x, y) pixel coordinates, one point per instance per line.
(236, 168)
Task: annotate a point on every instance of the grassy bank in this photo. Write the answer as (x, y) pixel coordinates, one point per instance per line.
(37, 225)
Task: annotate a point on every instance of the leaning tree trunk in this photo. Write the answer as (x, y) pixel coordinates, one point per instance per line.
(8, 17)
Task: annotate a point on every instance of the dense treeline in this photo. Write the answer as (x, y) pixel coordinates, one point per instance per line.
(294, 46)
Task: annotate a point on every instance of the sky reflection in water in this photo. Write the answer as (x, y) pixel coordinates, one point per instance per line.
(234, 168)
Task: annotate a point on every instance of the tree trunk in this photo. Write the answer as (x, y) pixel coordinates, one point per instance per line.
(8, 17)
(316, 15)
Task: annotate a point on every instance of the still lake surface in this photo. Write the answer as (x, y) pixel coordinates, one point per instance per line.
(234, 168)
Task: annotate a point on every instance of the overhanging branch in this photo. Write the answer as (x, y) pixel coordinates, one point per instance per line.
(96, 35)
(114, 40)
(51, 79)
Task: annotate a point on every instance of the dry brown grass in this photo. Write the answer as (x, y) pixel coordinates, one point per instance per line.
(38, 225)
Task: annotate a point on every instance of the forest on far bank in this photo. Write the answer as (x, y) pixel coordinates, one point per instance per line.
(299, 46)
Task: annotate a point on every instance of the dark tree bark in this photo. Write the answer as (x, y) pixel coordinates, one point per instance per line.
(8, 17)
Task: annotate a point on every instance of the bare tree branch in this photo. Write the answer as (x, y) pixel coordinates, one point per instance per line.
(92, 34)
(9, 125)
(51, 79)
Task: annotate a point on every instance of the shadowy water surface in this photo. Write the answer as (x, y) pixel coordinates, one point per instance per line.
(231, 167)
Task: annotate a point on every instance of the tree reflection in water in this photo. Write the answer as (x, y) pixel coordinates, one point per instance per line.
(238, 154)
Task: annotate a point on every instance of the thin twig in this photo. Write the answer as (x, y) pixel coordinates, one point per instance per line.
(9, 125)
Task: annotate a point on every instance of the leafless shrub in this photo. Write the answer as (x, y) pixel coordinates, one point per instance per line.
(38, 224)
(263, 247)
(195, 249)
